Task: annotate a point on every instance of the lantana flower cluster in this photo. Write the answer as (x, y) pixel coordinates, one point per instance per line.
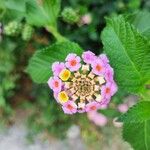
(83, 84)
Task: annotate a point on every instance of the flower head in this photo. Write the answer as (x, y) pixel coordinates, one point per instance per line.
(73, 62)
(83, 85)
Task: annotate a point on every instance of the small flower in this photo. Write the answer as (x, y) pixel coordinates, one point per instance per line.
(69, 107)
(98, 67)
(104, 58)
(88, 57)
(83, 85)
(97, 118)
(86, 19)
(63, 97)
(64, 75)
(92, 106)
(108, 90)
(73, 62)
(55, 84)
(57, 67)
(123, 108)
(109, 72)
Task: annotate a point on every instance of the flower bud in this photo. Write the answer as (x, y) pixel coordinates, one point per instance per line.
(86, 19)
(27, 32)
(70, 16)
(13, 28)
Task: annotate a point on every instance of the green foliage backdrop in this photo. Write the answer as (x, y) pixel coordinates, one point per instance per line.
(36, 33)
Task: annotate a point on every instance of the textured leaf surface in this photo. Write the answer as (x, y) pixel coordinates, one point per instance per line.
(141, 21)
(136, 129)
(39, 66)
(35, 14)
(138, 135)
(129, 54)
(52, 8)
(138, 113)
(44, 13)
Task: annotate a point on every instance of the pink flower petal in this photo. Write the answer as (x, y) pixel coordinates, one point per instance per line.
(123, 108)
(97, 118)
(73, 62)
(57, 67)
(88, 57)
(69, 107)
(98, 67)
(55, 84)
(92, 106)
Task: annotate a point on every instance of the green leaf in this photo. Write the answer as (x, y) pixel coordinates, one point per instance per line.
(44, 13)
(129, 54)
(39, 67)
(141, 21)
(134, 4)
(52, 8)
(136, 127)
(138, 135)
(15, 9)
(136, 114)
(35, 14)
(18, 5)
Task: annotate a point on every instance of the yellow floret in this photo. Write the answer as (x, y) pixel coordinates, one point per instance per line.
(65, 74)
(63, 97)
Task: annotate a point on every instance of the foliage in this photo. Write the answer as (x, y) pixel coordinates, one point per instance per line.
(137, 123)
(125, 40)
(39, 66)
(129, 54)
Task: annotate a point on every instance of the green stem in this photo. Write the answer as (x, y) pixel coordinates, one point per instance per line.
(56, 34)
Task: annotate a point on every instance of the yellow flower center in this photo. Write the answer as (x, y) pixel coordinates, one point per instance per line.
(63, 97)
(64, 74)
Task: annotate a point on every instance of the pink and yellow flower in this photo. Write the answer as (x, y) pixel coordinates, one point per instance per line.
(83, 85)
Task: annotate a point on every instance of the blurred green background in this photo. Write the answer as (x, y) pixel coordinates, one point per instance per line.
(79, 20)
